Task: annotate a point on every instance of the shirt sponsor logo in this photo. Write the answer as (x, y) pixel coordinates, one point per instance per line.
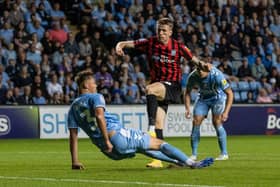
(163, 59)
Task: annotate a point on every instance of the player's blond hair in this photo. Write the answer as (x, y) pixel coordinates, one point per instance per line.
(165, 21)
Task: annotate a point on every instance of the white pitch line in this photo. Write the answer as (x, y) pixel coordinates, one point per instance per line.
(100, 181)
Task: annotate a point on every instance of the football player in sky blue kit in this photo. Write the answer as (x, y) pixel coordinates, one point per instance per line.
(215, 94)
(88, 112)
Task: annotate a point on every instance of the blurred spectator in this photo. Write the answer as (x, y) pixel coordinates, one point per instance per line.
(70, 87)
(132, 92)
(23, 78)
(250, 97)
(11, 68)
(136, 7)
(16, 16)
(26, 98)
(9, 54)
(47, 43)
(5, 79)
(57, 34)
(85, 10)
(98, 47)
(66, 100)
(44, 13)
(117, 99)
(58, 56)
(244, 71)
(275, 26)
(263, 97)
(32, 56)
(54, 87)
(31, 14)
(222, 49)
(104, 89)
(7, 33)
(258, 69)
(112, 30)
(105, 76)
(111, 6)
(246, 48)
(56, 14)
(38, 84)
(38, 98)
(3, 90)
(9, 98)
(36, 41)
(46, 4)
(85, 47)
(56, 99)
(141, 84)
(71, 46)
(112, 67)
(35, 27)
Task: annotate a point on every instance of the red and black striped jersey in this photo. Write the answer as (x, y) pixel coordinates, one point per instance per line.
(164, 60)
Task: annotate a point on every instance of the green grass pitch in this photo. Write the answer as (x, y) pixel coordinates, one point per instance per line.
(254, 161)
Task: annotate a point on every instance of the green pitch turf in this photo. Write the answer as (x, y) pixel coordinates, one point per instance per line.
(254, 161)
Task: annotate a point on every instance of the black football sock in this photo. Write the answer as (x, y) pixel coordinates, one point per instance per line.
(159, 133)
(152, 105)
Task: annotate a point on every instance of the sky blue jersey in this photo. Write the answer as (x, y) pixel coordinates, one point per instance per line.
(82, 114)
(210, 87)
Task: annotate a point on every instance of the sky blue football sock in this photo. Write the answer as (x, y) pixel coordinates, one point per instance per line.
(195, 138)
(160, 156)
(173, 152)
(222, 139)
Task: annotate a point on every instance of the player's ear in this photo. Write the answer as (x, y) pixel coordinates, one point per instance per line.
(85, 85)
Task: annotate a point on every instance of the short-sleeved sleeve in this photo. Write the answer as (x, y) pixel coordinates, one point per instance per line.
(71, 120)
(141, 44)
(221, 81)
(98, 101)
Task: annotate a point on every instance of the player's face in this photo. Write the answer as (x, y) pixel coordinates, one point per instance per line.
(91, 85)
(164, 32)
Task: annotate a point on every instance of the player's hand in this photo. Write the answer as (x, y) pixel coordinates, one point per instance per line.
(109, 147)
(224, 116)
(119, 50)
(78, 166)
(188, 114)
(206, 66)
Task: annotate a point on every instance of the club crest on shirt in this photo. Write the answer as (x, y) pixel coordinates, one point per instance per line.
(224, 82)
(173, 52)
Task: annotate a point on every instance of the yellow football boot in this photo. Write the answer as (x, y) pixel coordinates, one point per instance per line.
(154, 163)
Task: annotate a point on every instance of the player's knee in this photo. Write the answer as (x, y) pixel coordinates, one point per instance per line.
(150, 90)
(197, 121)
(217, 120)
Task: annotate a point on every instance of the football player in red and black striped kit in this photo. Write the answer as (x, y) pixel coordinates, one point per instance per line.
(163, 54)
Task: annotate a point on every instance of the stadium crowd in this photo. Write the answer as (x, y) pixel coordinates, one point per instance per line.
(44, 43)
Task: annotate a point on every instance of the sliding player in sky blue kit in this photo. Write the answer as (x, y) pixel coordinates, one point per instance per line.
(88, 112)
(215, 94)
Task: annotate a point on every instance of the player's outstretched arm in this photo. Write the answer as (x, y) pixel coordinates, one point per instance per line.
(101, 122)
(124, 44)
(201, 64)
(73, 141)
